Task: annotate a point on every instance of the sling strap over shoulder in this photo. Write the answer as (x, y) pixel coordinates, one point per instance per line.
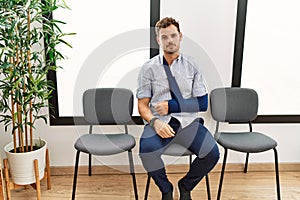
(174, 88)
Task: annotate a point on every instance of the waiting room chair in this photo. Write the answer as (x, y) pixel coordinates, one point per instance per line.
(178, 150)
(239, 105)
(106, 106)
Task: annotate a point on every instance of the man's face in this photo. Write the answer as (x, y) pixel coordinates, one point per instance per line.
(169, 39)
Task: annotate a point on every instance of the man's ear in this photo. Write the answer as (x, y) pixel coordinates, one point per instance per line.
(157, 40)
(180, 36)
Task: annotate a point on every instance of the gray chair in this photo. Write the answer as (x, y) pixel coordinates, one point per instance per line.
(178, 150)
(239, 105)
(106, 106)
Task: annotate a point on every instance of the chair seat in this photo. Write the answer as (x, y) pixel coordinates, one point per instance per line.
(177, 150)
(104, 144)
(248, 142)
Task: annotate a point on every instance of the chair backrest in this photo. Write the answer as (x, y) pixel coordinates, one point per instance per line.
(108, 105)
(234, 104)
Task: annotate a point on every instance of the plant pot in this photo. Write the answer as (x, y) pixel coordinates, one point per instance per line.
(21, 165)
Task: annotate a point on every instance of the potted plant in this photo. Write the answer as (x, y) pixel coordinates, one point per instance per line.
(24, 88)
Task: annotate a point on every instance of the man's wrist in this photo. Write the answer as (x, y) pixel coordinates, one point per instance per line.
(152, 120)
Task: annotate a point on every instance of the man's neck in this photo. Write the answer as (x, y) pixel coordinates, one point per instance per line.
(171, 57)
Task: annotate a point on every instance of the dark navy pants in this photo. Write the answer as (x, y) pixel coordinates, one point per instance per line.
(194, 137)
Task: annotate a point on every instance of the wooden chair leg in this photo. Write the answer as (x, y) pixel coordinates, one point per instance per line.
(37, 178)
(48, 170)
(7, 183)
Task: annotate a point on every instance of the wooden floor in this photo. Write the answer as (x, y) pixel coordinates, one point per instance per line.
(237, 186)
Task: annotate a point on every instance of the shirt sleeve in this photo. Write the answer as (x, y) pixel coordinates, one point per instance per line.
(199, 87)
(144, 83)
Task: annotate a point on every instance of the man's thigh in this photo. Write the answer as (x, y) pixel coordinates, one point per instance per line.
(196, 138)
(152, 142)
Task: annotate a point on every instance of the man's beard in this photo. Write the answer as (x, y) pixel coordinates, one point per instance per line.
(172, 51)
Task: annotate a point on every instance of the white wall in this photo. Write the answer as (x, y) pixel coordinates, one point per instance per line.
(197, 17)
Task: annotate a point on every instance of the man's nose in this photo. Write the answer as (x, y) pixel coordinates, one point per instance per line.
(170, 40)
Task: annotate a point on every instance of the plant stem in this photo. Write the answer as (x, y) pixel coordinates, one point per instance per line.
(19, 107)
(29, 67)
(13, 110)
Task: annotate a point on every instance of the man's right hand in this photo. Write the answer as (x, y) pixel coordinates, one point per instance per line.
(163, 129)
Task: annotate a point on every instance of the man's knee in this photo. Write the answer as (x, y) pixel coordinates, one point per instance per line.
(147, 146)
(214, 154)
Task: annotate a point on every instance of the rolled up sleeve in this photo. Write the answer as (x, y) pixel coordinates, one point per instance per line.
(144, 83)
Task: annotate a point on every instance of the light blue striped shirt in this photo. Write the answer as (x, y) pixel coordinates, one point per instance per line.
(153, 83)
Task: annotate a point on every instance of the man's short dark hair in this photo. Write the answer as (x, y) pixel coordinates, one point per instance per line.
(165, 22)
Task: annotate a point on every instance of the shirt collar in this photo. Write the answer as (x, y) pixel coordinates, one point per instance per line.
(161, 56)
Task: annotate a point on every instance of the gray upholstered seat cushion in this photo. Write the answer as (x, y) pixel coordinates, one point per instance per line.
(104, 144)
(250, 142)
(177, 150)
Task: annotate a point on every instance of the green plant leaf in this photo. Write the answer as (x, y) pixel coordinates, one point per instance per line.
(23, 69)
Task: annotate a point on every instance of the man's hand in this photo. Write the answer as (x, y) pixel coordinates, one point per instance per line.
(163, 129)
(162, 108)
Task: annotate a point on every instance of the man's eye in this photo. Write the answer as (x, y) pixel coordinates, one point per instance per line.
(174, 35)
